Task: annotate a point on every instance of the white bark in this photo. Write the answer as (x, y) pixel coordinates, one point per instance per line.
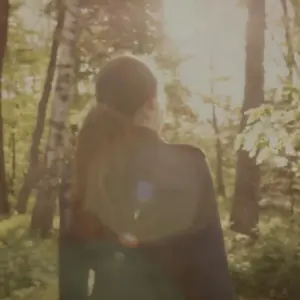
(43, 212)
(64, 84)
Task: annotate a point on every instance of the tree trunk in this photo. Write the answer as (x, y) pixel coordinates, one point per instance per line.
(12, 177)
(33, 172)
(292, 66)
(4, 15)
(219, 150)
(219, 154)
(43, 212)
(289, 58)
(245, 210)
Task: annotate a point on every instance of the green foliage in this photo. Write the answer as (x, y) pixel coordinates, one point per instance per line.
(268, 269)
(25, 263)
(24, 71)
(111, 27)
(272, 134)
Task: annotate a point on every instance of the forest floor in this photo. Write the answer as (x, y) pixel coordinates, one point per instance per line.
(28, 266)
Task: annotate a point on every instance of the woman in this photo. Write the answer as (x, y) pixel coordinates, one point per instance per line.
(149, 202)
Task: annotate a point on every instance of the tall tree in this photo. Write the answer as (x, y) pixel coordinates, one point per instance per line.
(219, 155)
(44, 209)
(292, 67)
(245, 210)
(4, 15)
(33, 172)
(219, 150)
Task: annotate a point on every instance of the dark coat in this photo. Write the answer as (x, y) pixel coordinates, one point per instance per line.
(194, 257)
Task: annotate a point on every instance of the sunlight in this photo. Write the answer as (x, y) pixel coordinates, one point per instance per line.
(213, 31)
(209, 32)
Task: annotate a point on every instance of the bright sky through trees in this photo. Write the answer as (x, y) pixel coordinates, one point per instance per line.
(214, 31)
(208, 31)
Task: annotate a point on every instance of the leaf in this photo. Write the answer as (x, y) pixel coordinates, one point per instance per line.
(280, 162)
(264, 155)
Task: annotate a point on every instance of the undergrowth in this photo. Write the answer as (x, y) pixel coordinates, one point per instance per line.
(267, 269)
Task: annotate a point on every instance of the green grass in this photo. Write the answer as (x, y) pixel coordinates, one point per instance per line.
(266, 270)
(27, 265)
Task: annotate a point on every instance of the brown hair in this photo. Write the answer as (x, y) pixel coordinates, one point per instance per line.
(123, 86)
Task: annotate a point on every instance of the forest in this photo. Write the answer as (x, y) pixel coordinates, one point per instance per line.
(231, 75)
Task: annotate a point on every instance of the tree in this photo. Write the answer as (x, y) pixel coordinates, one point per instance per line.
(245, 209)
(272, 133)
(292, 66)
(4, 15)
(34, 172)
(44, 208)
(219, 150)
(113, 27)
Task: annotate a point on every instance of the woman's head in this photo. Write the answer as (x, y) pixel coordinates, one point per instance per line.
(129, 87)
(127, 98)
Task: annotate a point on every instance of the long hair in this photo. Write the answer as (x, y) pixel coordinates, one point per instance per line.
(106, 138)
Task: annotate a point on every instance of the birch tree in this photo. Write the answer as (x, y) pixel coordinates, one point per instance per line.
(34, 171)
(43, 212)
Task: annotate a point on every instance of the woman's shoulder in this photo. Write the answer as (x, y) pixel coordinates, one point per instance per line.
(188, 149)
(182, 161)
(186, 152)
